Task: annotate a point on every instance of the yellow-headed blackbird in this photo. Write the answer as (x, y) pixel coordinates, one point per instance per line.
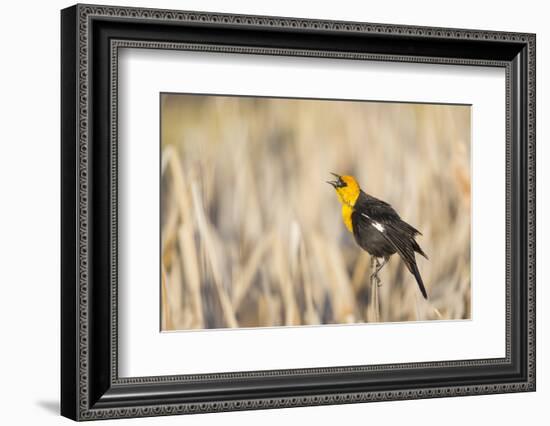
(377, 228)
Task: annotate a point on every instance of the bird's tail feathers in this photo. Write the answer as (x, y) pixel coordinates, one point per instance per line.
(416, 273)
(417, 249)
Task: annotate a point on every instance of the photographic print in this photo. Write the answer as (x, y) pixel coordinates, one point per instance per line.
(301, 212)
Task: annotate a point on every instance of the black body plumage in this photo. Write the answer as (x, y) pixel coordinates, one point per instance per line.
(378, 229)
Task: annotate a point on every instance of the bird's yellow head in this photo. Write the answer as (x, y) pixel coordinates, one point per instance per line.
(346, 188)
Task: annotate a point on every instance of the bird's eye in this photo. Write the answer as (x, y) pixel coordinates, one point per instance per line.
(341, 183)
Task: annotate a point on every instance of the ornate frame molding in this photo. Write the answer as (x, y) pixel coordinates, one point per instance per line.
(78, 24)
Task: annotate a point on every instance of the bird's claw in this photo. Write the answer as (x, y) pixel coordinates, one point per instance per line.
(374, 277)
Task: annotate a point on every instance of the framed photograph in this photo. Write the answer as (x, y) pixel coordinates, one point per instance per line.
(263, 212)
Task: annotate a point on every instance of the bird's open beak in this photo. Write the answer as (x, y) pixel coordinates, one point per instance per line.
(334, 183)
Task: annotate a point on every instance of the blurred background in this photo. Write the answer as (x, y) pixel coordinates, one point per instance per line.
(252, 234)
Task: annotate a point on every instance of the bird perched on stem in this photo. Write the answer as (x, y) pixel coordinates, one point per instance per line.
(377, 228)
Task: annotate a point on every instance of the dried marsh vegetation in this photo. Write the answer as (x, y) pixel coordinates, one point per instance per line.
(252, 235)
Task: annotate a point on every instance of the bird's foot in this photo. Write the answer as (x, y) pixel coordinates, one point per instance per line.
(374, 277)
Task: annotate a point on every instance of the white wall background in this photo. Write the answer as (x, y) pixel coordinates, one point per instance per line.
(29, 211)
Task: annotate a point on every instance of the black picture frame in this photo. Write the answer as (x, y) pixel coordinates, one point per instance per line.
(90, 386)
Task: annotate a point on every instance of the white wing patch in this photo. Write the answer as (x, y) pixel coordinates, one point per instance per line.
(378, 226)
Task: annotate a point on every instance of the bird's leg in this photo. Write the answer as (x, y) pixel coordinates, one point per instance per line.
(379, 266)
(373, 267)
(374, 276)
(375, 283)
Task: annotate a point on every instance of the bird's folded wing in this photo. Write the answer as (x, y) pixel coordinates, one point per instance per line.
(382, 212)
(394, 235)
